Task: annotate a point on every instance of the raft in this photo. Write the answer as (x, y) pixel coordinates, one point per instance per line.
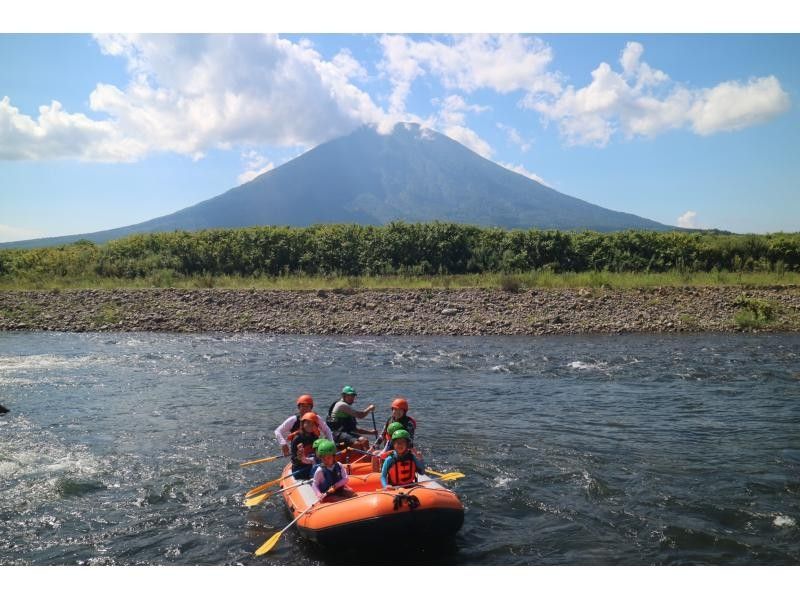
(424, 512)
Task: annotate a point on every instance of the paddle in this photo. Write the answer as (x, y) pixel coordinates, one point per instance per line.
(257, 500)
(269, 544)
(264, 460)
(436, 473)
(262, 487)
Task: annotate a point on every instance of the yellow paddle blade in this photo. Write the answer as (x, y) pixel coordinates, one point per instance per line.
(261, 488)
(257, 500)
(458, 474)
(264, 460)
(269, 544)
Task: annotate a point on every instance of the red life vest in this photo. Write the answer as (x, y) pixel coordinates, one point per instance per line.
(403, 470)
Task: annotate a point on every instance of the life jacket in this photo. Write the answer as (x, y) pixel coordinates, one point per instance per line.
(307, 440)
(403, 470)
(330, 477)
(408, 423)
(295, 429)
(341, 423)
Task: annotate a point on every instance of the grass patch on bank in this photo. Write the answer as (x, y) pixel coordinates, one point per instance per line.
(507, 282)
(754, 314)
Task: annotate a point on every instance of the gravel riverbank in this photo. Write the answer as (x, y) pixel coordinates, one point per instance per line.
(399, 312)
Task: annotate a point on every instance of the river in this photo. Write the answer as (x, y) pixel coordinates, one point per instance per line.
(124, 448)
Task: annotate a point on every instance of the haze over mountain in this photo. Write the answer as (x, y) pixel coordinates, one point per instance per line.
(413, 174)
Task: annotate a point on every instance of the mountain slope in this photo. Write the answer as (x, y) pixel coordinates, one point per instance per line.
(413, 174)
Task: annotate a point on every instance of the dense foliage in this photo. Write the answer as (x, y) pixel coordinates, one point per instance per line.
(399, 248)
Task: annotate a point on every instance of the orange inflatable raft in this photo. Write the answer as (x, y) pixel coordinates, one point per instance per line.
(425, 510)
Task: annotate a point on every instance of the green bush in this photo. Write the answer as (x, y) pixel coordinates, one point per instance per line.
(404, 249)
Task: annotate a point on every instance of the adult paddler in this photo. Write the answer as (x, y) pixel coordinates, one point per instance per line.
(343, 420)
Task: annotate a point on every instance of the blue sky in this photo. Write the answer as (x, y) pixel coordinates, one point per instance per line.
(700, 130)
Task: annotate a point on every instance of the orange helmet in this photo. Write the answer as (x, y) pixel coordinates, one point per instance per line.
(400, 403)
(310, 416)
(305, 400)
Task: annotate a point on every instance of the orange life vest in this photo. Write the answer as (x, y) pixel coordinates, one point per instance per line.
(403, 470)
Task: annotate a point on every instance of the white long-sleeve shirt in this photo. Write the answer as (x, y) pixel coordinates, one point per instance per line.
(282, 431)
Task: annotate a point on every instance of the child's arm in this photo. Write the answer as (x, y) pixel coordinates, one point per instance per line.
(318, 478)
(385, 470)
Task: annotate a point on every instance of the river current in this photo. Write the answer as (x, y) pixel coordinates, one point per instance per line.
(125, 448)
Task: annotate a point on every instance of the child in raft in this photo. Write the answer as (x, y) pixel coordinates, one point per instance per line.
(401, 466)
(330, 478)
(388, 448)
(302, 447)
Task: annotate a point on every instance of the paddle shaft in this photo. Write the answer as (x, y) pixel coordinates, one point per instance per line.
(264, 460)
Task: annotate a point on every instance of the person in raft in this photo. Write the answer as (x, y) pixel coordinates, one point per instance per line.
(388, 448)
(305, 403)
(342, 419)
(330, 478)
(302, 447)
(400, 414)
(401, 466)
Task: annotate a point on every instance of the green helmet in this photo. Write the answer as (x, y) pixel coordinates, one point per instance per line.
(317, 443)
(325, 447)
(401, 434)
(348, 390)
(394, 427)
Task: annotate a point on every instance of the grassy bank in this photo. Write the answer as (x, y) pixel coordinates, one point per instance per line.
(509, 282)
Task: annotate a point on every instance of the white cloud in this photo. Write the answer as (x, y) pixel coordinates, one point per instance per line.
(515, 137)
(255, 165)
(642, 101)
(503, 63)
(12, 233)
(688, 219)
(470, 138)
(732, 105)
(451, 120)
(520, 169)
(190, 93)
(59, 134)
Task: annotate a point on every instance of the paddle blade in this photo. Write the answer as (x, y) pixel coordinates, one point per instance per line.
(269, 544)
(261, 488)
(458, 474)
(264, 460)
(257, 500)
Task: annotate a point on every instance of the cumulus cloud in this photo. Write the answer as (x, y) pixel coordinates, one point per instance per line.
(688, 219)
(503, 63)
(642, 101)
(255, 165)
(59, 134)
(520, 169)
(451, 120)
(190, 93)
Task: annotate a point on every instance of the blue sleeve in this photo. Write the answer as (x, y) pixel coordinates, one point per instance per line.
(419, 463)
(385, 470)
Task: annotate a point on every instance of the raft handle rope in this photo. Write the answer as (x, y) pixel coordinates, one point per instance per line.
(410, 499)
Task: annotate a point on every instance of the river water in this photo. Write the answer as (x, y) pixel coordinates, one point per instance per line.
(124, 448)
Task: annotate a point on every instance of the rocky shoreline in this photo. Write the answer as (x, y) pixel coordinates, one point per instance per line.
(399, 312)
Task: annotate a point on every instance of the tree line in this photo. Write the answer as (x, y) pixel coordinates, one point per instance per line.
(404, 249)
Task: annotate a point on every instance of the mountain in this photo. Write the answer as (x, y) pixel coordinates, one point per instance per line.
(413, 174)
